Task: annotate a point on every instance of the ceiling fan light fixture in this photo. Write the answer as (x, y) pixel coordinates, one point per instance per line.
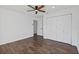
(36, 10)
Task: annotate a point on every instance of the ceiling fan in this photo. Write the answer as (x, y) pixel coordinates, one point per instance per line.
(36, 8)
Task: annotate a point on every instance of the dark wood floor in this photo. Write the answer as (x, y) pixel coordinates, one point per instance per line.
(37, 45)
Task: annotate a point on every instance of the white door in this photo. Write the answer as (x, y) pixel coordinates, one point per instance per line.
(59, 28)
(67, 29)
(51, 28)
(64, 28)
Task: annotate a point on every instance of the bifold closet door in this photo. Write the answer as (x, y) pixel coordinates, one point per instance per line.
(51, 28)
(63, 28)
(59, 28)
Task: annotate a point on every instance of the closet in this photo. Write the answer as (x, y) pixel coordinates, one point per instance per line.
(59, 28)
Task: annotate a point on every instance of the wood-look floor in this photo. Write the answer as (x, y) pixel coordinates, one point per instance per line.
(37, 45)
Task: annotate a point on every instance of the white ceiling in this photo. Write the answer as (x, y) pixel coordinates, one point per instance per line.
(47, 8)
(58, 7)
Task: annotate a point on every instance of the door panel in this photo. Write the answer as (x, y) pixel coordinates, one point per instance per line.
(51, 28)
(67, 29)
(59, 28)
(64, 28)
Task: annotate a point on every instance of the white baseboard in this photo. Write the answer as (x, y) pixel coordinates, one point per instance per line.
(13, 40)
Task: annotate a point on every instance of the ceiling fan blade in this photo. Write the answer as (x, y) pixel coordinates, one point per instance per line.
(41, 10)
(40, 7)
(31, 7)
(36, 12)
(30, 10)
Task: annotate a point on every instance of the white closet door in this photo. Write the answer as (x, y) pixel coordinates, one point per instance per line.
(59, 28)
(68, 29)
(64, 28)
(51, 28)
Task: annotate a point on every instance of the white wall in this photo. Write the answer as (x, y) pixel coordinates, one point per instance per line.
(75, 23)
(14, 26)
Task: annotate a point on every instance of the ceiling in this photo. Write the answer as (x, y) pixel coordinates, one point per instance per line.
(47, 8)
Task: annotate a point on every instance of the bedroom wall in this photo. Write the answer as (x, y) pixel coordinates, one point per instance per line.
(14, 26)
(75, 23)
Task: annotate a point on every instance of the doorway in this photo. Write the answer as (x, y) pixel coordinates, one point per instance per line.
(35, 27)
(38, 27)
